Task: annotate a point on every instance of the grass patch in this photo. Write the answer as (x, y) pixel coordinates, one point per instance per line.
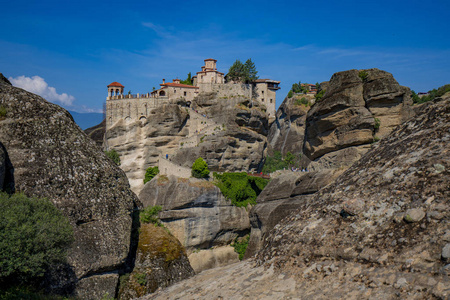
(240, 245)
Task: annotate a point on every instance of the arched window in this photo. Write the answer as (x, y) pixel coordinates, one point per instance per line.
(162, 93)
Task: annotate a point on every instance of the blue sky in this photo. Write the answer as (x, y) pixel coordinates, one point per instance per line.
(69, 51)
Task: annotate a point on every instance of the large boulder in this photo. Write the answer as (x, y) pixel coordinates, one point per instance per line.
(97, 133)
(359, 106)
(160, 261)
(50, 156)
(384, 223)
(195, 211)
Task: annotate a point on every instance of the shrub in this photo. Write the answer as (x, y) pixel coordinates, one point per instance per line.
(319, 95)
(114, 156)
(3, 111)
(150, 215)
(150, 173)
(290, 94)
(141, 278)
(200, 168)
(363, 75)
(377, 124)
(240, 188)
(302, 101)
(34, 235)
(434, 93)
(241, 246)
(277, 162)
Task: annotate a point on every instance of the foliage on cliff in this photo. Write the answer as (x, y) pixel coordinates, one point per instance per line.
(240, 188)
(34, 235)
(150, 173)
(278, 162)
(434, 93)
(114, 156)
(243, 72)
(200, 168)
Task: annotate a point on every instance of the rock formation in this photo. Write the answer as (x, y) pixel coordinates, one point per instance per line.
(45, 154)
(160, 261)
(380, 231)
(195, 211)
(384, 223)
(287, 132)
(358, 107)
(97, 133)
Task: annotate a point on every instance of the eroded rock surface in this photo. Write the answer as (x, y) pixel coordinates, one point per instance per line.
(195, 211)
(160, 262)
(50, 156)
(359, 106)
(387, 215)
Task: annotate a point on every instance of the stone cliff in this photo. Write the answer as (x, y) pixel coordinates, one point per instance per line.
(230, 134)
(45, 154)
(358, 108)
(380, 231)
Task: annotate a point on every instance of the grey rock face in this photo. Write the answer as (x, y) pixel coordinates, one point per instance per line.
(395, 176)
(350, 111)
(414, 215)
(195, 211)
(51, 157)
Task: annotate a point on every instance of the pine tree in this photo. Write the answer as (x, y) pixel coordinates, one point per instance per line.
(251, 73)
(237, 71)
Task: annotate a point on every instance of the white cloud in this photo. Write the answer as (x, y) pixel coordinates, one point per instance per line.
(37, 85)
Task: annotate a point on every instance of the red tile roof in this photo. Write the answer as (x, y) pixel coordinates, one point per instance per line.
(210, 59)
(179, 85)
(115, 84)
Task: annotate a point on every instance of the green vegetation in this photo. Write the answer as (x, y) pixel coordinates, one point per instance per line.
(141, 278)
(376, 139)
(240, 246)
(298, 88)
(278, 162)
(290, 94)
(319, 95)
(363, 75)
(3, 111)
(302, 101)
(243, 72)
(150, 173)
(150, 215)
(200, 169)
(114, 156)
(188, 80)
(240, 188)
(28, 293)
(377, 124)
(34, 236)
(434, 93)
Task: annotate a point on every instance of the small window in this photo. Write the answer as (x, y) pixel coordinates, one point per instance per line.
(271, 100)
(174, 91)
(185, 93)
(262, 99)
(262, 92)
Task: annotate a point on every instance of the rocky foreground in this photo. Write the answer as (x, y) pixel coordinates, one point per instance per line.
(380, 231)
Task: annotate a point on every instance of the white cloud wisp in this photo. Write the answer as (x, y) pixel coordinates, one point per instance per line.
(37, 85)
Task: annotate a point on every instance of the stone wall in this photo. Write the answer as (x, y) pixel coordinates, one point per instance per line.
(167, 167)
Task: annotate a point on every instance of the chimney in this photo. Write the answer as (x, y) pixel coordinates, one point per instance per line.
(164, 81)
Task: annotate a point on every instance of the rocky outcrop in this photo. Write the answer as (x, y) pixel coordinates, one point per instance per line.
(160, 261)
(141, 143)
(213, 258)
(287, 132)
(195, 211)
(280, 197)
(240, 142)
(359, 106)
(97, 133)
(383, 223)
(48, 155)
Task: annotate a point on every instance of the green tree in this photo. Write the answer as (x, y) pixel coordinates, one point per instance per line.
(150, 173)
(289, 159)
(200, 168)
(250, 70)
(114, 156)
(237, 71)
(34, 235)
(188, 80)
